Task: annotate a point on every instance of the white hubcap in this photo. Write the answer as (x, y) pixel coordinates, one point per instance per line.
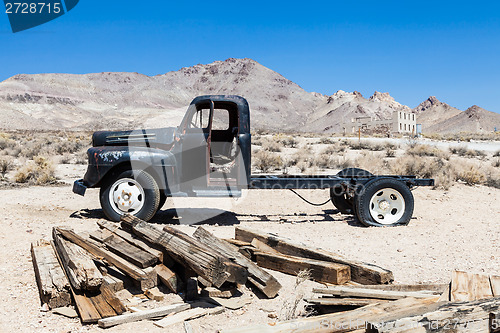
(387, 206)
(126, 196)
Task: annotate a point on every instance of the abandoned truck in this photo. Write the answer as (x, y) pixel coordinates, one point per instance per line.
(209, 155)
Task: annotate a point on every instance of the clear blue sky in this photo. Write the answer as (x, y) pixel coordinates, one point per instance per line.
(411, 49)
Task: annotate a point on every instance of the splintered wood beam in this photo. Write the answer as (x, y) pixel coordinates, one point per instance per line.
(345, 291)
(86, 310)
(130, 238)
(457, 317)
(168, 278)
(141, 315)
(143, 278)
(469, 287)
(80, 268)
(237, 273)
(52, 283)
(258, 277)
(361, 272)
(343, 321)
(320, 271)
(110, 297)
(214, 268)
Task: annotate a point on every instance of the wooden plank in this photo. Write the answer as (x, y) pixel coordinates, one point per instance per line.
(154, 294)
(104, 309)
(469, 287)
(320, 271)
(343, 291)
(131, 270)
(142, 315)
(456, 317)
(263, 247)
(187, 315)
(237, 273)
(52, 283)
(130, 238)
(361, 272)
(112, 300)
(168, 278)
(330, 301)
(112, 283)
(130, 252)
(495, 285)
(258, 277)
(342, 321)
(481, 287)
(216, 292)
(237, 242)
(86, 309)
(213, 268)
(79, 266)
(430, 288)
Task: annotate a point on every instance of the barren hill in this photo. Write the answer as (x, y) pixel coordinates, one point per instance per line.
(439, 117)
(118, 100)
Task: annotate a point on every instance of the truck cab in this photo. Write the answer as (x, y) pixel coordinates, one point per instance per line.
(208, 154)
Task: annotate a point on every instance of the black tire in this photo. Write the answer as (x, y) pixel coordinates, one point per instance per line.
(141, 181)
(163, 199)
(337, 194)
(395, 206)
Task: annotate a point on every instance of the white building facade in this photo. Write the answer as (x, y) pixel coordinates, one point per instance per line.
(400, 122)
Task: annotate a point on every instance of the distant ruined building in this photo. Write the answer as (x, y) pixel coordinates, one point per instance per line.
(400, 122)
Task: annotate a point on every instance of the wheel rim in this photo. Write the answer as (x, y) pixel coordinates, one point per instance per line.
(387, 206)
(126, 196)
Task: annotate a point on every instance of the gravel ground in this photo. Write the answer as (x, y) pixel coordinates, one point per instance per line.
(455, 229)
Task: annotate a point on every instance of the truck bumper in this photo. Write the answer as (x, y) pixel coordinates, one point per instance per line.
(79, 187)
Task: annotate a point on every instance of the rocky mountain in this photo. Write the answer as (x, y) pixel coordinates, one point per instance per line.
(439, 117)
(129, 100)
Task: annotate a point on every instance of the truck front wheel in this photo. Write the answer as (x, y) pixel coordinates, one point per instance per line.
(130, 192)
(384, 202)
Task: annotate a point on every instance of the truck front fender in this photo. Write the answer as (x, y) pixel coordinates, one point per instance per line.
(104, 161)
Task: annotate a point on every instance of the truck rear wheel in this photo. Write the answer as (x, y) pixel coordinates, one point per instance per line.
(340, 199)
(130, 192)
(384, 202)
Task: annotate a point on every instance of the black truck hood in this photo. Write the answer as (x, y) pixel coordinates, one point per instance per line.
(158, 137)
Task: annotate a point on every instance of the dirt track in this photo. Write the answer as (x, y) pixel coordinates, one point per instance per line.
(456, 229)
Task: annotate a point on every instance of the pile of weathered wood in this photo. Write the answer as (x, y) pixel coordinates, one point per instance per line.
(90, 270)
(96, 270)
(469, 303)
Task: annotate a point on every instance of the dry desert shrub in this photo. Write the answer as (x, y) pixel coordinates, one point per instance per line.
(427, 150)
(334, 148)
(497, 154)
(271, 145)
(288, 141)
(5, 166)
(493, 179)
(370, 161)
(267, 161)
(463, 136)
(470, 175)
(389, 152)
(341, 162)
(296, 307)
(323, 161)
(363, 145)
(463, 151)
(40, 171)
(496, 163)
(425, 167)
